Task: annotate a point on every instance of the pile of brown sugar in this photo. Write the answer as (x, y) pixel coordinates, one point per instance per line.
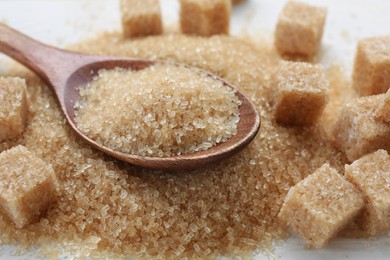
(161, 110)
(229, 208)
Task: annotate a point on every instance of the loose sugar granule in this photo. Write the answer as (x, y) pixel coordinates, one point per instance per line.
(161, 110)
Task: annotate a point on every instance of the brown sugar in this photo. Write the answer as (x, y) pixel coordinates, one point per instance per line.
(371, 73)
(109, 209)
(13, 107)
(320, 205)
(235, 2)
(383, 112)
(356, 131)
(162, 110)
(205, 17)
(299, 29)
(300, 93)
(339, 94)
(141, 18)
(27, 186)
(371, 174)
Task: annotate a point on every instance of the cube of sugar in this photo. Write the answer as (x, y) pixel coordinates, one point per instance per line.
(234, 2)
(205, 17)
(383, 112)
(319, 206)
(13, 107)
(371, 174)
(141, 18)
(300, 93)
(28, 186)
(356, 131)
(299, 29)
(371, 73)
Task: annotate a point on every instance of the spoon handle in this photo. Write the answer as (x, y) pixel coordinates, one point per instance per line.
(40, 58)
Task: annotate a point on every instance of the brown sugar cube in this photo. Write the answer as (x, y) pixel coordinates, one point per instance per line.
(371, 73)
(27, 186)
(205, 17)
(383, 111)
(300, 93)
(319, 206)
(299, 29)
(13, 107)
(235, 2)
(141, 18)
(371, 175)
(356, 131)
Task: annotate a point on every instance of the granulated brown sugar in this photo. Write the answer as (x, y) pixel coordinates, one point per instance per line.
(229, 208)
(162, 110)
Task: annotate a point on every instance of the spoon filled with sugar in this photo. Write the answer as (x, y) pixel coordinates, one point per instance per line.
(68, 73)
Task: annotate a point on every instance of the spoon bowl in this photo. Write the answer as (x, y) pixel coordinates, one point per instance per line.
(66, 72)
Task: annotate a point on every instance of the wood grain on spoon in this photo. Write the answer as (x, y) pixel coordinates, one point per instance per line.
(67, 71)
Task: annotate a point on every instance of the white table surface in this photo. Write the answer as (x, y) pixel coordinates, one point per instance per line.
(60, 22)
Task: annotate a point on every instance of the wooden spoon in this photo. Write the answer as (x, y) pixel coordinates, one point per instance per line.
(67, 71)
